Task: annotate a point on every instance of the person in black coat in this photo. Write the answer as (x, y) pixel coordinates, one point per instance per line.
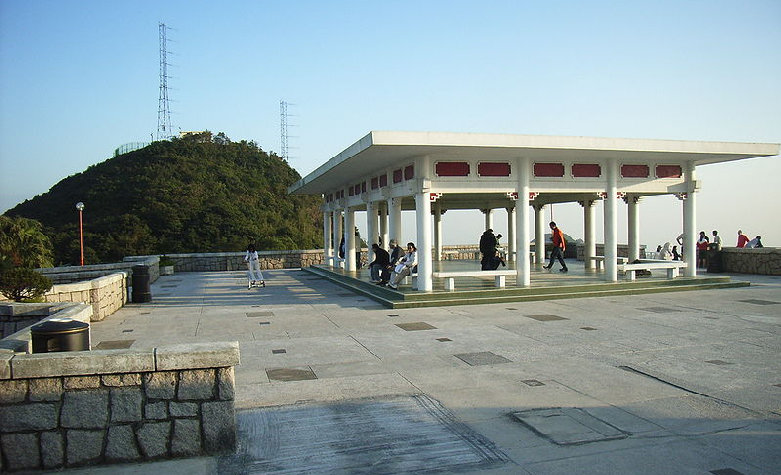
(395, 255)
(380, 262)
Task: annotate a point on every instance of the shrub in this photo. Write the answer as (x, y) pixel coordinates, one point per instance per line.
(21, 284)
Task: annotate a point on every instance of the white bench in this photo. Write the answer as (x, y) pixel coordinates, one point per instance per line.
(672, 267)
(600, 261)
(498, 275)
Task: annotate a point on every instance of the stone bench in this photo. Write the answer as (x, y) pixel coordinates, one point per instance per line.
(672, 267)
(498, 275)
(600, 261)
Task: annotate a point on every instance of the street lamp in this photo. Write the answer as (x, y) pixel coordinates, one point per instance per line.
(80, 207)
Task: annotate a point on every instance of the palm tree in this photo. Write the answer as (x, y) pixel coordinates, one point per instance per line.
(23, 244)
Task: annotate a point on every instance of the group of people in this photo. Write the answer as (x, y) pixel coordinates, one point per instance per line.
(704, 243)
(389, 268)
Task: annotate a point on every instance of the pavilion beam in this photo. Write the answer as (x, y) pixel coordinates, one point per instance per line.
(384, 225)
(489, 218)
(437, 231)
(511, 224)
(394, 220)
(423, 221)
(539, 235)
(349, 240)
(590, 241)
(611, 221)
(522, 265)
(633, 226)
(338, 234)
(690, 220)
(371, 228)
(328, 248)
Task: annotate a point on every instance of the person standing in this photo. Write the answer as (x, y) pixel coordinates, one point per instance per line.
(676, 256)
(254, 275)
(559, 246)
(702, 247)
(742, 239)
(380, 262)
(716, 244)
(487, 248)
(406, 266)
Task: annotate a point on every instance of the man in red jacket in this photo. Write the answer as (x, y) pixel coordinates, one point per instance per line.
(559, 246)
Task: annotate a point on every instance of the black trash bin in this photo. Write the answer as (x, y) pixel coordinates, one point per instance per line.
(60, 335)
(142, 290)
(714, 259)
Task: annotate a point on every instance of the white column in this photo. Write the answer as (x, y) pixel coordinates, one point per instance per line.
(690, 221)
(590, 240)
(371, 228)
(489, 218)
(611, 221)
(511, 223)
(539, 235)
(437, 231)
(328, 248)
(523, 268)
(349, 240)
(423, 220)
(336, 229)
(633, 231)
(384, 225)
(394, 220)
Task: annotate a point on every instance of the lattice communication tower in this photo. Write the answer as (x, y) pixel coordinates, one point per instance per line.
(284, 123)
(164, 130)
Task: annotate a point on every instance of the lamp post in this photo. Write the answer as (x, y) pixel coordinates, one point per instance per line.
(80, 207)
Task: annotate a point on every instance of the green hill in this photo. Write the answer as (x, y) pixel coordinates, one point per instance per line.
(195, 194)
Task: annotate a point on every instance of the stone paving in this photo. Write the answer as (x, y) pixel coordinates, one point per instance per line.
(685, 382)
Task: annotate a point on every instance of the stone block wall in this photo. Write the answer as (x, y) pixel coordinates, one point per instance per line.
(762, 261)
(623, 251)
(17, 318)
(106, 294)
(68, 274)
(231, 261)
(61, 410)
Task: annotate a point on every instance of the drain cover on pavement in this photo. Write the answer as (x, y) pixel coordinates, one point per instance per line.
(568, 425)
(659, 309)
(114, 344)
(259, 314)
(415, 326)
(546, 318)
(481, 358)
(759, 302)
(290, 374)
(390, 436)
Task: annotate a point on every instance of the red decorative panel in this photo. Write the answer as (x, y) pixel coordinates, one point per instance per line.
(409, 172)
(375, 183)
(351, 191)
(549, 169)
(493, 169)
(635, 171)
(397, 175)
(586, 170)
(668, 171)
(451, 169)
(383, 180)
(363, 187)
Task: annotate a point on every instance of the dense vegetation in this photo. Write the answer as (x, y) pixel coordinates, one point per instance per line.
(195, 194)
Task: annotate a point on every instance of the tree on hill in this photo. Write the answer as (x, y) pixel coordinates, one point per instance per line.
(23, 244)
(183, 195)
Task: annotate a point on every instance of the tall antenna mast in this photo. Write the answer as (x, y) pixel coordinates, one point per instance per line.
(283, 129)
(164, 130)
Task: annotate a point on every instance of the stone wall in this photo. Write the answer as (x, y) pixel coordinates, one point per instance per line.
(231, 261)
(762, 261)
(623, 251)
(61, 410)
(105, 294)
(68, 274)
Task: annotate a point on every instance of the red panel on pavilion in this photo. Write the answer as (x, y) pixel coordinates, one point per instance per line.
(375, 183)
(493, 169)
(668, 171)
(634, 171)
(452, 168)
(397, 176)
(586, 170)
(549, 169)
(383, 180)
(409, 172)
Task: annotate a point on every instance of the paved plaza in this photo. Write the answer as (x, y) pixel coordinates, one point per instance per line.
(332, 382)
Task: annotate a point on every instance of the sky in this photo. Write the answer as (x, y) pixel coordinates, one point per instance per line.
(80, 78)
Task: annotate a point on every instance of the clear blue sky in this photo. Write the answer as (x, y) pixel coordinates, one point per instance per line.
(79, 78)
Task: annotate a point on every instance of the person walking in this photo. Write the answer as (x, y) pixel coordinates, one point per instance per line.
(405, 266)
(559, 246)
(254, 275)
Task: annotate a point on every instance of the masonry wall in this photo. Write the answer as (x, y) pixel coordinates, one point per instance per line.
(68, 274)
(762, 261)
(105, 294)
(61, 410)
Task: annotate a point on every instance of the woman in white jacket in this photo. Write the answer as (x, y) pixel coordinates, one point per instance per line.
(405, 266)
(253, 267)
